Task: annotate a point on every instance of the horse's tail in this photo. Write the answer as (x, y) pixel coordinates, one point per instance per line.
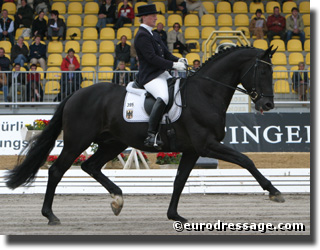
(38, 149)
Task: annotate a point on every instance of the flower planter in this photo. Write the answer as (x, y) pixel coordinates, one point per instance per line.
(27, 134)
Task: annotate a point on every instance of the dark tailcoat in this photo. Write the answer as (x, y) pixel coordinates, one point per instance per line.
(154, 57)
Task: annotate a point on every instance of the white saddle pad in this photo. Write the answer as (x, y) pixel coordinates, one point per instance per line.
(133, 109)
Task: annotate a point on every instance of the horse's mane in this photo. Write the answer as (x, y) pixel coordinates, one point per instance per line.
(223, 53)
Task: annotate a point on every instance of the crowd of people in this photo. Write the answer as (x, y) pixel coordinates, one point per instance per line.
(31, 16)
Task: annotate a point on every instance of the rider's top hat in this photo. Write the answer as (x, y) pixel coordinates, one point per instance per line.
(147, 9)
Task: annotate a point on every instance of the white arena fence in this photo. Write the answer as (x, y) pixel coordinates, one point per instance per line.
(160, 181)
(55, 84)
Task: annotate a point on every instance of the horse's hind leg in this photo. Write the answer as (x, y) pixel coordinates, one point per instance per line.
(106, 152)
(222, 152)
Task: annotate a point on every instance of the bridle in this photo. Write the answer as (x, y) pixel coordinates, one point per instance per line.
(254, 95)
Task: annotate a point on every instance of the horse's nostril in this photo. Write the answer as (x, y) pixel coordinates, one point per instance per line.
(269, 105)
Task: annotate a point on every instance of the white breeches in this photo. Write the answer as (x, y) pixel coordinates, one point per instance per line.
(158, 87)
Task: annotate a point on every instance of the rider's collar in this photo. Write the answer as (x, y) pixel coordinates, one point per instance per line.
(148, 28)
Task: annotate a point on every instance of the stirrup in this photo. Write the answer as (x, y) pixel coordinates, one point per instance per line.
(151, 141)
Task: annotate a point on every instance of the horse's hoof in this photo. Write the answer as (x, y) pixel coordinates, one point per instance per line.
(116, 204)
(54, 223)
(178, 218)
(277, 197)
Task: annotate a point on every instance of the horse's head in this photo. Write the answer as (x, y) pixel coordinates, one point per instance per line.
(259, 84)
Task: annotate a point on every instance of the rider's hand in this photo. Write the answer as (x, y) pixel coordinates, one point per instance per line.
(179, 66)
(183, 60)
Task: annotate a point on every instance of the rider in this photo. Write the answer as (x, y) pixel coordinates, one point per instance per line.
(154, 61)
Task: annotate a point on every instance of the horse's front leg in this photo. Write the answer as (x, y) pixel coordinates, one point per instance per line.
(222, 152)
(187, 163)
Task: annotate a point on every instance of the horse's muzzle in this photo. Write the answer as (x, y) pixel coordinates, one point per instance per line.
(264, 104)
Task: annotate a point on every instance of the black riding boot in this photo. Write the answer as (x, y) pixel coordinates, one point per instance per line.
(154, 121)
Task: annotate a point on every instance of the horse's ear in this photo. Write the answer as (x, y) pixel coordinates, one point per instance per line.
(269, 52)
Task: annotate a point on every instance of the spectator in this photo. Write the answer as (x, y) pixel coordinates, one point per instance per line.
(295, 26)
(38, 52)
(17, 82)
(56, 26)
(258, 25)
(4, 84)
(122, 51)
(4, 61)
(175, 5)
(19, 52)
(300, 82)
(6, 27)
(162, 33)
(121, 78)
(24, 16)
(18, 2)
(70, 59)
(196, 5)
(276, 25)
(39, 26)
(107, 14)
(42, 5)
(34, 89)
(133, 58)
(176, 40)
(196, 64)
(125, 15)
(70, 81)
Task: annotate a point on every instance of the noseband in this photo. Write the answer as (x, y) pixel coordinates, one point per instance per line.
(254, 95)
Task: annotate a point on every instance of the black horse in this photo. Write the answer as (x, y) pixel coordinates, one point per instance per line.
(94, 114)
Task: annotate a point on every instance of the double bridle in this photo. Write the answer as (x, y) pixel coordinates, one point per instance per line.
(254, 95)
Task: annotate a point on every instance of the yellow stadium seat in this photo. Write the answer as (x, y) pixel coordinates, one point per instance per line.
(18, 33)
(72, 45)
(10, 7)
(105, 73)
(224, 20)
(52, 88)
(40, 70)
(304, 7)
(254, 6)
(294, 45)
(241, 20)
(278, 43)
(245, 31)
(240, 7)
(90, 21)
(75, 8)
(193, 56)
(280, 72)
(295, 58)
(271, 5)
(88, 75)
(206, 31)
(307, 32)
(307, 45)
(85, 84)
(124, 31)
(90, 34)
(281, 87)
(260, 44)
(6, 45)
(223, 8)
(191, 20)
(191, 33)
(287, 6)
(308, 58)
(208, 20)
(89, 60)
(160, 19)
(279, 58)
(292, 69)
(174, 18)
(106, 47)
(74, 21)
(106, 60)
(91, 8)
(52, 74)
(107, 34)
(306, 20)
(54, 60)
(55, 47)
(60, 7)
(160, 6)
(209, 6)
(89, 47)
(197, 49)
(225, 29)
(177, 54)
(71, 31)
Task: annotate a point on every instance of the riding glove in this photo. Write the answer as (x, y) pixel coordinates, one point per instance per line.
(179, 66)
